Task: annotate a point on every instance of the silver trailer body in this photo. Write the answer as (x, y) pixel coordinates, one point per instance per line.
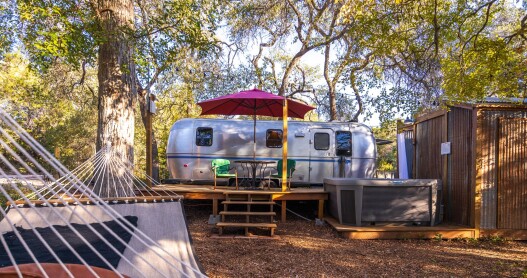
(321, 149)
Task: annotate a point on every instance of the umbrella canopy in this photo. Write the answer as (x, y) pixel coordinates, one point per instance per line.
(253, 102)
(257, 102)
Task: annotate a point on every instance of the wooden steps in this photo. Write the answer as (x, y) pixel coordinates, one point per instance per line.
(245, 213)
(254, 225)
(249, 200)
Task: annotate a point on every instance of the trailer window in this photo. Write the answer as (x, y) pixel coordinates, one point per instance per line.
(343, 139)
(273, 138)
(204, 136)
(321, 141)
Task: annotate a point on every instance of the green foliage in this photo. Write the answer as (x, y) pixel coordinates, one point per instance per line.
(50, 107)
(173, 106)
(164, 36)
(13, 194)
(467, 240)
(491, 69)
(70, 30)
(387, 154)
(173, 102)
(428, 52)
(494, 239)
(7, 27)
(58, 29)
(172, 35)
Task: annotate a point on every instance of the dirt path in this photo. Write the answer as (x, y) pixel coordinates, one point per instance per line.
(306, 250)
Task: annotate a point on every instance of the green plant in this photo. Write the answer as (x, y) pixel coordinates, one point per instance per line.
(498, 239)
(438, 237)
(468, 240)
(495, 239)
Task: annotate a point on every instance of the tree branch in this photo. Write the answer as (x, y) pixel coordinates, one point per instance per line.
(475, 36)
(520, 32)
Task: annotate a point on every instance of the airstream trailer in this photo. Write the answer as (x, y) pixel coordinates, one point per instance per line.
(320, 149)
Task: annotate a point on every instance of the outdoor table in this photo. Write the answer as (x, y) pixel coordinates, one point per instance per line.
(252, 167)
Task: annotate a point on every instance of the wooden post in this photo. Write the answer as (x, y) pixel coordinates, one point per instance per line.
(477, 168)
(284, 148)
(284, 210)
(214, 206)
(445, 174)
(148, 140)
(321, 209)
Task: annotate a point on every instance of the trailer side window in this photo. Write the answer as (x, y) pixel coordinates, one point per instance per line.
(273, 138)
(321, 141)
(204, 136)
(343, 139)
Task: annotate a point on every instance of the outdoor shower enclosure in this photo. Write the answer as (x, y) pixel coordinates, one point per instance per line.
(479, 151)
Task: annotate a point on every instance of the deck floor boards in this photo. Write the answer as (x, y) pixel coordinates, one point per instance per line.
(207, 192)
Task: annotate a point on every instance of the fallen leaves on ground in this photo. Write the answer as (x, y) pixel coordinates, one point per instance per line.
(306, 250)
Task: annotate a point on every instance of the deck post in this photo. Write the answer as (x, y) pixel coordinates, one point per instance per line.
(215, 206)
(320, 209)
(284, 210)
(148, 129)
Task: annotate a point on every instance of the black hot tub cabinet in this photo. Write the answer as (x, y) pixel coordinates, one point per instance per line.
(364, 202)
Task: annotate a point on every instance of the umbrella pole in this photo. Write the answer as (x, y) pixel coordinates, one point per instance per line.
(254, 148)
(284, 148)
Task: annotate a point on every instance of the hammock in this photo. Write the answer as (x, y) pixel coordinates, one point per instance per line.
(97, 220)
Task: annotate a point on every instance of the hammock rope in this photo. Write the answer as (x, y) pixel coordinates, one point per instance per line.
(75, 190)
(41, 197)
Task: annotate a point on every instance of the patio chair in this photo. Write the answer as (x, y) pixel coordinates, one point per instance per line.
(221, 169)
(291, 164)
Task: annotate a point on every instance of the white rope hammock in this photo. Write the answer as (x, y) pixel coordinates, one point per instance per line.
(101, 190)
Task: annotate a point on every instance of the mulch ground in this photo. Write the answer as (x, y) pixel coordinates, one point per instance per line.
(306, 250)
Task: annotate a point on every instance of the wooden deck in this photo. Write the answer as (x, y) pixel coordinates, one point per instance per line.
(400, 231)
(206, 192)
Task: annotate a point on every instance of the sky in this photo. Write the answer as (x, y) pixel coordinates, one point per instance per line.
(312, 58)
(316, 59)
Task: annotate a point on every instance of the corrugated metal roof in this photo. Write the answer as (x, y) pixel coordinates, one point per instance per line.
(504, 100)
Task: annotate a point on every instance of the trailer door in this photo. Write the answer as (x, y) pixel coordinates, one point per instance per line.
(321, 154)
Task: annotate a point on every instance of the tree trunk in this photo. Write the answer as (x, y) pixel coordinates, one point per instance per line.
(116, 92)
(357, 96)
(331, 85)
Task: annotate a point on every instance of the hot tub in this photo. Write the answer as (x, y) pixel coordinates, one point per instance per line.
(365, 202)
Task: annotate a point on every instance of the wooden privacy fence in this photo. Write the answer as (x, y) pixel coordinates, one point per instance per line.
(512, 174)
(479, 151)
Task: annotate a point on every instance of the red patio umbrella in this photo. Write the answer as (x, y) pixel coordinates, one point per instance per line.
(253, 102)
(257, 102)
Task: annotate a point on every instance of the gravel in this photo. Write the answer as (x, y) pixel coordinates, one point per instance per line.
(302, 249)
